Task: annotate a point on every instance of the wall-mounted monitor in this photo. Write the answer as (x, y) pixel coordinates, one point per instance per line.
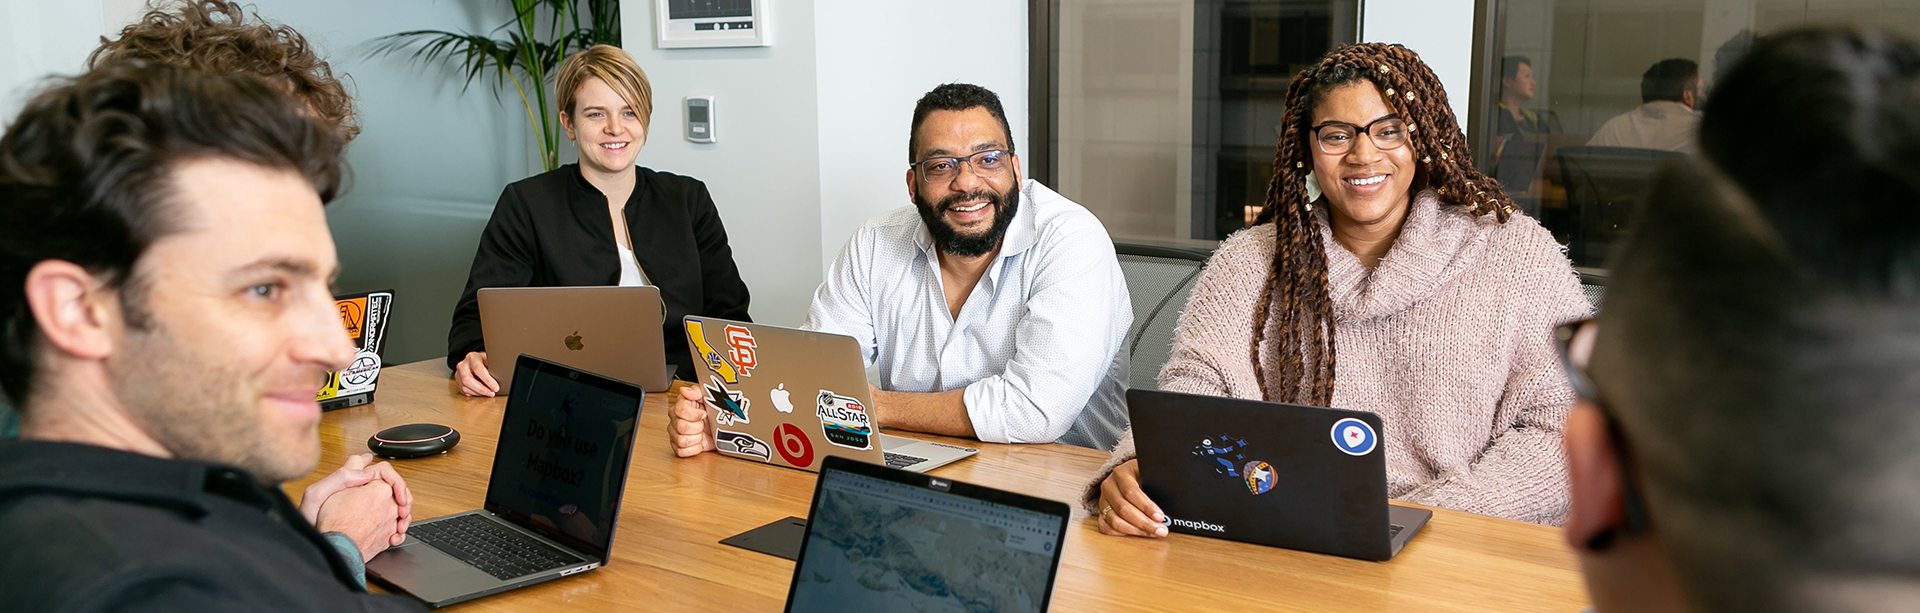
(681, 24)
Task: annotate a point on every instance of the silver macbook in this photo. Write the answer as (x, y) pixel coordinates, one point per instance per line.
(610, 330)
(793, 397)
(558, 473)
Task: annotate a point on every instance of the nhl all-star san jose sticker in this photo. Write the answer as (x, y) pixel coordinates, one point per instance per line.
(729, 405)
(1354, 437)
(844, 421)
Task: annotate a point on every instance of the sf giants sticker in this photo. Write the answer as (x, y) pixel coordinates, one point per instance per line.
(793, 445)
(728, 406)
(740, 348)
(844, 421)
(741, 444)
(722, 369)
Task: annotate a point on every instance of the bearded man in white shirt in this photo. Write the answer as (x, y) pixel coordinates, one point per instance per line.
(993, 308)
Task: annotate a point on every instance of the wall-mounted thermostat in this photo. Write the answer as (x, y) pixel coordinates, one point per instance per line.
(680, 24)
(700, 119)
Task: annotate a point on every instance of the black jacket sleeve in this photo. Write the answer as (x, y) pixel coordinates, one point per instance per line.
(507, 257)
(726, 295)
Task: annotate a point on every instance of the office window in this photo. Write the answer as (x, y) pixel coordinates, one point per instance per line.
(1581, 99)
(1162, 113)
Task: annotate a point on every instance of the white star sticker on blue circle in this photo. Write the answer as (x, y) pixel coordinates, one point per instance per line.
(1354, 437)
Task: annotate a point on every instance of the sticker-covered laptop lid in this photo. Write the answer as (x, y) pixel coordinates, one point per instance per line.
(1292, 476)
(782, 395)
(365, 316)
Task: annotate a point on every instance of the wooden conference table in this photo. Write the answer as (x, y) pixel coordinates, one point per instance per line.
(667, 555)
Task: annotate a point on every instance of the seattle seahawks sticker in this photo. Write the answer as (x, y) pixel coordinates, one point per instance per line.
(1354, 437)
(844, 421)
(742, 444)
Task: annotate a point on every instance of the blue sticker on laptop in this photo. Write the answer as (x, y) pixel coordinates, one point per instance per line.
(1259, 477)
(742, 444)
(1224, 454)
(844, 421)
(1354, 437)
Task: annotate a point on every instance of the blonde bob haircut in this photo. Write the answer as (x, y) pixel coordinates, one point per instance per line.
(612, 65)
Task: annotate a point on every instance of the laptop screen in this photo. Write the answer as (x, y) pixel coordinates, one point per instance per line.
(879, 545)
(564, 447)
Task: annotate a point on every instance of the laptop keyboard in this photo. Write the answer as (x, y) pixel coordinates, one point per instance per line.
(490, 547)
(1393, 530)
(901, 460)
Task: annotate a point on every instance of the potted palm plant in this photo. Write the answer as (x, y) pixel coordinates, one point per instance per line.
(541, 34)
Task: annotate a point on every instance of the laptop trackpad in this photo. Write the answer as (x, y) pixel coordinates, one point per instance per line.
(428, 573)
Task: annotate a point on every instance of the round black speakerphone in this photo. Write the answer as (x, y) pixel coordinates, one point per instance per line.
(413, 441)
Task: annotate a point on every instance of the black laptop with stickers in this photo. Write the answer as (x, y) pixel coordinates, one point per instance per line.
(1299, 477)
(365, 316)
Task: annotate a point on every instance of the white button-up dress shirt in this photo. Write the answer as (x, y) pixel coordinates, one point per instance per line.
(1038, 345)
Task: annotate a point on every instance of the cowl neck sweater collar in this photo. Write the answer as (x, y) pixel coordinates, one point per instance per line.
(1435, 248)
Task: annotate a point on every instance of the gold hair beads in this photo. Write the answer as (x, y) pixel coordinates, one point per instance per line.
(1389, 92)
(1427, 160)
(1384, 69)
(1409, 96)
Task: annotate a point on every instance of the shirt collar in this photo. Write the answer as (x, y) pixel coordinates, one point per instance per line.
(87, 470)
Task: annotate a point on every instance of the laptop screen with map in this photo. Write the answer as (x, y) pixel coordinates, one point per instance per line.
(881, 539)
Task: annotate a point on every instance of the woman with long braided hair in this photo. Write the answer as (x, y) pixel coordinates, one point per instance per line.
(1409, 288)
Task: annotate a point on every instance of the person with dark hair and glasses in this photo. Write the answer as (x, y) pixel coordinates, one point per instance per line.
(993, 307)
(1745, 430)
(167, 318)
(1671, 93)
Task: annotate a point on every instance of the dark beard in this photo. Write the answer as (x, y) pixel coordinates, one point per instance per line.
(950, 241)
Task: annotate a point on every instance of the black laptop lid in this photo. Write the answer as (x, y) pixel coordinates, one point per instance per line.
(565, 443)
(881, 539)
(1291, 476)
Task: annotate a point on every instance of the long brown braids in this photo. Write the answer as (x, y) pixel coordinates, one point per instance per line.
(1296, 288)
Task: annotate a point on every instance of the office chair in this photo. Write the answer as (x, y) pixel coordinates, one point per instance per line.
(1158, 280)
(1604, 187)
(1593, 283)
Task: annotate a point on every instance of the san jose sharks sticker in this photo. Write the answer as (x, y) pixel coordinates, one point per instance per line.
(729, 406)
(844, 421)
(1354, 437)
(742, 444)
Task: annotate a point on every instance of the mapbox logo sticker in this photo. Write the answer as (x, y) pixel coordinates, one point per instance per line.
(793, 445)
(844, 421)
(728, 406)
(741, 444)
(1354, 437)
(740, 348)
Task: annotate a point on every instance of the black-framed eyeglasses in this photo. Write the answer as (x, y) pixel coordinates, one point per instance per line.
(1337, 137)
(1577, 337)
(989, 163)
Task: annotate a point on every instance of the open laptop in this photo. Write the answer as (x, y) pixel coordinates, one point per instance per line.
(605, 329)
(881, 539)
(558, 473)
(791, 397)
(365, 315)
(1285, 475)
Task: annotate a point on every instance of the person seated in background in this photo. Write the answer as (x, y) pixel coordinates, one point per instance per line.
(1744, 439)
(1519, 132)
(1413, 270)
(993, 307)
(603, 221)
(1671, 93)
(164, 291)
(218, 37)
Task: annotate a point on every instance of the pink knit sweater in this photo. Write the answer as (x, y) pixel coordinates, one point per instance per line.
(1449, 340)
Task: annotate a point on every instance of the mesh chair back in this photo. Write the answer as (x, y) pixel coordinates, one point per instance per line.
(1158, 280)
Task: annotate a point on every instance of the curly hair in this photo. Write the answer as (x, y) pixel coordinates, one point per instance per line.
(216, 37)
(1295, 304)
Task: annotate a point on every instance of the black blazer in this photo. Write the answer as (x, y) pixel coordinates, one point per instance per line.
(552, 229)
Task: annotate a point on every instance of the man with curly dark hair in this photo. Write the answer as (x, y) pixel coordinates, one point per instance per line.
(219, 37)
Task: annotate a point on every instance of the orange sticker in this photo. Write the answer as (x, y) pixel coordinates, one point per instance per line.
(353, 313)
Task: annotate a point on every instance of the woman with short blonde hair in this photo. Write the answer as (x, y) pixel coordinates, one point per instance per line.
(603, 221)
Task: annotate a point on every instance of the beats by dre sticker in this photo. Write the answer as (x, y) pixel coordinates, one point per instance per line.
(793, 445)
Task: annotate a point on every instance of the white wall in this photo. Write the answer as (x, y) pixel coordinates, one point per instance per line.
(1441, 31)
(876, 59)
(812, 130)
(41, 39)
